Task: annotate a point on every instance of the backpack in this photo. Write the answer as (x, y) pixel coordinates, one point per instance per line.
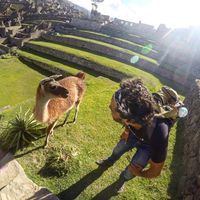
(167, 103)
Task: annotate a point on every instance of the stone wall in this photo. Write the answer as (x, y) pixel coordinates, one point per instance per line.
(109, 72)
(107, 39)
(15, 185)
(113, 33)
(110, 52)
(3, 31)
(141, 29)
(4, 48)
(86, 24)
(189, 185)
(51, 16)
(46, 67)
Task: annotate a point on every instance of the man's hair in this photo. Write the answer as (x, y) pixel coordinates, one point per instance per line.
(136, 102)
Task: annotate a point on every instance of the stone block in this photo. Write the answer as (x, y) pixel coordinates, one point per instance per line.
(3, 31)
(20, 187)
(8, 170)
(188, 197)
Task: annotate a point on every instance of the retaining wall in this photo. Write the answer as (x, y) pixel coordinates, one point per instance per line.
(109, 40)
(110, 52)
(189, 185)
(109, 72)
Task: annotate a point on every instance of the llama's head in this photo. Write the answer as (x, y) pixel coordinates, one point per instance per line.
(52, 88)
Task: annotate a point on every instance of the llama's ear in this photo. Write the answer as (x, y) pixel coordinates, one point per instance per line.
(81, 75)
(43, 81)
(56, 76)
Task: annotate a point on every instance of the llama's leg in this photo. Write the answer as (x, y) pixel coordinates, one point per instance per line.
(49, 133)
(67, 115)
(76, 111)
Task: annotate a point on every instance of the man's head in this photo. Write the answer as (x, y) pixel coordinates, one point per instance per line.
(132, 104)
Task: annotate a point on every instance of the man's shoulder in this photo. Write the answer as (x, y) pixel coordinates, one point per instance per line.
(161, 131)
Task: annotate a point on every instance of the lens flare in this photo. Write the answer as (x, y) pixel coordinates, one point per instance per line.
(134, 59)
(147, 49)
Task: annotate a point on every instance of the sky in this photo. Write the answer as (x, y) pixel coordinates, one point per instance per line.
(173, 13)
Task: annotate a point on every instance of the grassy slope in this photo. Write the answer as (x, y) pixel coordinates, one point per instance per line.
(18, 82)
(152, 82)
(127, 41)
(95, 134)
(128, 69)
(120, 39)
(111, 46)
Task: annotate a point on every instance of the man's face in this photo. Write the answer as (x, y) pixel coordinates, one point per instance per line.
(116, 115)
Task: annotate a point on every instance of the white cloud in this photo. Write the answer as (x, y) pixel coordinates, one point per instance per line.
(174, 13)
(118, 9)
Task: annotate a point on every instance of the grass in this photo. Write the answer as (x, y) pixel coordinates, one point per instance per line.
(153, 82)
(120, 39)
(18, 83)
(110, 46)
(47, 61)
(127, 69)
(93, 137)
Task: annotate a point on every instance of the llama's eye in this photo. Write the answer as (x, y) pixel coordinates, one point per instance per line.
(53, 87)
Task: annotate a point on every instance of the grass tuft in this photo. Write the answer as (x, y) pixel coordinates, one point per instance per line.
(20, 132)
(59, 161)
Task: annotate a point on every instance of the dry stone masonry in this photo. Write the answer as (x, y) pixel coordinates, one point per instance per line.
(189, 185)
(15, 185)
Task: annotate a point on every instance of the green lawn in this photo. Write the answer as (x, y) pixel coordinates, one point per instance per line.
(127, 69)
(120, 39)
(18, 83)
(151, 81)
(111, 46)
(94, 135)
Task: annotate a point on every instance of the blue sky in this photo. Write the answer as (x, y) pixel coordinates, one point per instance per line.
(173, 13)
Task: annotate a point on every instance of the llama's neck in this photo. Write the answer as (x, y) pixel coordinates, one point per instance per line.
(41, 109)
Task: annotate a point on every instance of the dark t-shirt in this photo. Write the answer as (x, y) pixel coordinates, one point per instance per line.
(156, 135)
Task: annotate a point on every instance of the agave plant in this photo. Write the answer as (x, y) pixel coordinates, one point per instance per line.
(59, 161)
(20, 131)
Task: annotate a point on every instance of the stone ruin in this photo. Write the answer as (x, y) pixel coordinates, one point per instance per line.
(22, 20)
(178, 52)
(15, 184)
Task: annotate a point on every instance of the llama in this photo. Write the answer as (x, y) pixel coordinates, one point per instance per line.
(54, 97)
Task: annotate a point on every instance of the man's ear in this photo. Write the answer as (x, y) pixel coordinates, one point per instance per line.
(126, 121)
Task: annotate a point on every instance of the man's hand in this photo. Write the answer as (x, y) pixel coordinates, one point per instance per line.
(152, 172)
(125, 135)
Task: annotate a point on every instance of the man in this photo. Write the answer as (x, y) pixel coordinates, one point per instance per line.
(134, 107)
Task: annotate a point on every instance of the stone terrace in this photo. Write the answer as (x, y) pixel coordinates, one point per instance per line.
(15, 185)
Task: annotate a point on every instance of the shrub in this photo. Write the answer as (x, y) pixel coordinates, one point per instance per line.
(20, 132)
(59, 161)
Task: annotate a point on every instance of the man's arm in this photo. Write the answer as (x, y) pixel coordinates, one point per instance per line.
(125, 134)
(152, 172)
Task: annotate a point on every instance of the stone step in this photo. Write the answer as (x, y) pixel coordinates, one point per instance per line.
(54, 66)
(8, 170)
(110, 40)
(112, 51)
(139, 40)
(15, 185)
(84, 63)
(87, 60)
